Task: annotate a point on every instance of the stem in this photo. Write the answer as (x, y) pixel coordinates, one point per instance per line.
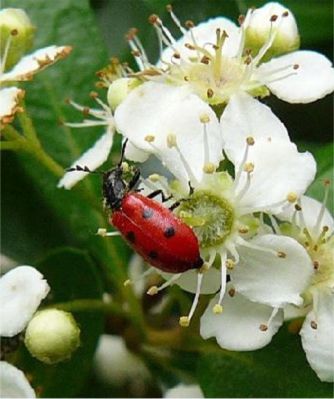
(10, 133)
(28, 127)
(10, 145)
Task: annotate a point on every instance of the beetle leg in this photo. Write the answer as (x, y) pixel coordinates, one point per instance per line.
(135, 179)
(160, 192)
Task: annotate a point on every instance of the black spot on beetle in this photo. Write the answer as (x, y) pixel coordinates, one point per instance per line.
(153, 254)
(131, 236)
(169, 232)
(147, 213)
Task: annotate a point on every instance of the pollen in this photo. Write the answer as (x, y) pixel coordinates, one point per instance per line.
(217, 309)
(171, 140)
(249, 167)
(149, 138)
(209, 168)
(204, 118)
(230, 264)
(292, 197)
(184, 321)
(152, 290)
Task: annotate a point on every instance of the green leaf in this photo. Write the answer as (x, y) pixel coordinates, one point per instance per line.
(279, 370)
(71, 275)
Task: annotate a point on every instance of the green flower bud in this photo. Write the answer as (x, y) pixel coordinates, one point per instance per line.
(52, 336)
(119, 89)
(15, 26)
(272, 20)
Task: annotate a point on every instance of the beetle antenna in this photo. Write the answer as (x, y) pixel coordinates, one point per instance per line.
(78, 168)
(123, 152)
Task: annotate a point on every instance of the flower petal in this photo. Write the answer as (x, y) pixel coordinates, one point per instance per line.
(159, 110)
(188, 280)
(135, 154)
(35, 62)
(318, 342)
(184, 391)
(13, 383)
(92, 158)
(272, 181)
(313, 79)
(244, 116)
(311, 210)
(203, 33)
(237, 328)
(274, 278)
(21, 291)
(9, 100)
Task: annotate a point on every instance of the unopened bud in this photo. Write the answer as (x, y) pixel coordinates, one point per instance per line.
(119, 90)
(52, 336)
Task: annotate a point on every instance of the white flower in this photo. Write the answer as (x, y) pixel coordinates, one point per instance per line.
(313, 226)
(13, 383)
(25, 69)
(262, 266)
(21, 291)
(184, 391)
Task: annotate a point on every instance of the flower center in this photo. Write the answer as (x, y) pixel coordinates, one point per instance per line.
(210, 216)
(322, 255)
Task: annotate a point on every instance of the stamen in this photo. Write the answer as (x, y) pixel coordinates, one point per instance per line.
(208, 167)
(185, 320)
(154, 289)
(243, 191)
(218, 307)
(3, 58)
(275, 224)
(177, 22)
(323, 208)
(104, 233)
(244, 22)
(265, 326)
(247, 244)
(139, 278)
(231, 248)
(249, 142)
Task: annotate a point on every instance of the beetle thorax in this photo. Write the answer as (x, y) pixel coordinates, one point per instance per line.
(114, 188)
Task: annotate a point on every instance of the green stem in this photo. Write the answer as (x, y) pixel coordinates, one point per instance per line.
(28, 127)
(10, 133)
(10, 145)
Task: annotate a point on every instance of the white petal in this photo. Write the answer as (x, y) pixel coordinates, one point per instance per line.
(188, 280)
(92, 158)
(318, 343)
(135, 154)
(313, 79)
(9, 100)
(21, 291)
(35, 62)
(272, 179)
(184, 391)
(156, 109)
(13, 383)
(244, 116)
(237, 328)
(265, 277)
(293, 312)
(204, 33)
(310, 210)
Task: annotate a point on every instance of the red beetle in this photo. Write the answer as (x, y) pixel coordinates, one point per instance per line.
(150, 228)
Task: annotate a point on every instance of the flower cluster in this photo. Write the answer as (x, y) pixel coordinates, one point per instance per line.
(266, 247)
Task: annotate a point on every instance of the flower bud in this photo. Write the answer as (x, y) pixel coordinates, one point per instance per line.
(52, 336)
(15, 26)
(119, 89)
(271, 19)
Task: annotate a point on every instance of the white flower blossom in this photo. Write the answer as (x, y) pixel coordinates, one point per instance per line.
(13, 382)
(312, 225)
(184, 391)
(21, 291)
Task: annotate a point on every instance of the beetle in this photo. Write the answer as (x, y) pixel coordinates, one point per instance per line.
(150, 228)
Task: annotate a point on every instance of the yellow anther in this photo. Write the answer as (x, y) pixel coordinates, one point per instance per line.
(204, 268)
(248, 167)
(149, 138)
(154, 177)
(184, 321)
(209, 168)
(281, 254)
(152, 290)
(250, 140)
(217, 309)
(127, 283)
(171, 140)
(125, 167)
(263, 327)
(101, 232)
(230, 264)
(243, 230)
(292, 197)
(204, 118)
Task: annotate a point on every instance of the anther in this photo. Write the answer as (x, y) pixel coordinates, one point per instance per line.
(292, 197)
(93, 95)
(205, 60)
(189, 24)
(149, 138)
(285, 14)
(101, 232)
(152, 290)
(263, 327)
(85, 111)
(296, 66)
(325, 229)
(209, 168)
(177, 55)
(127, 283)
(204, 268)
(314, 325)
(217, 309)
(184, 321)
(204, 118)
(316, 265)
(210, 93)
(154, 178)
(153, 19)
(231, 292)
(243, 230)
(136, 53)
(230, 264)
(241, 19)
(298, 207)
(169, 8)
(14, 32)
(248, 60)
(273, 18)
(250, 140)
(189, 46)
(248, 167)
(281, 254)
(171, 140)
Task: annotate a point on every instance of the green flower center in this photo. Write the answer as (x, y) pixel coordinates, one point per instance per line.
(211, 217)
